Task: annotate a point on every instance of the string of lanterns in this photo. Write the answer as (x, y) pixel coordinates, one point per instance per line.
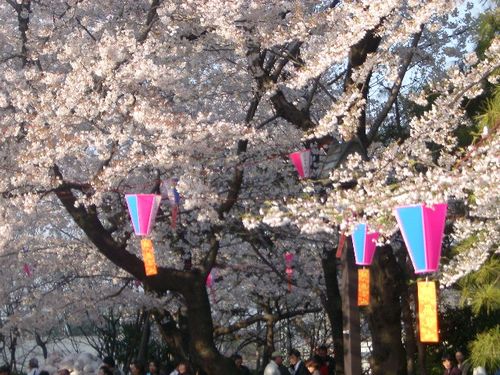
(422, 228)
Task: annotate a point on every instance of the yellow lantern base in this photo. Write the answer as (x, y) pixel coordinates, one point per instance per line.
(427, 311)
(148, 255)
(363, 287)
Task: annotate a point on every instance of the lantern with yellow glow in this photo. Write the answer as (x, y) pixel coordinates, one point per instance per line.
(422, 228)
(364, 244)
(143, 209)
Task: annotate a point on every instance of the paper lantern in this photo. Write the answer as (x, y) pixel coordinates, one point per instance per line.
(289, 269)
(363, 287)
(148, 255)
(422, 228)
(143, 209)
(364, 244)
(427, 311)
(302, 162)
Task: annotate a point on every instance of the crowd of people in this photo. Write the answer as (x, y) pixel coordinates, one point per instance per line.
(320, 364)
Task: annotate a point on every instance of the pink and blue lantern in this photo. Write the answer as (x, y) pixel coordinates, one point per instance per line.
(143, 209)
(422, 228)
(364, 244)
(302, 162)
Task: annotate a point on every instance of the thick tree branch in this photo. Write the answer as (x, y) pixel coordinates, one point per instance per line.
(219, 331)
(151, 19)
(395, 88)
(87, 219)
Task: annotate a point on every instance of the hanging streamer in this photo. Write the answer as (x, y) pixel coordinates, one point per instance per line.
(148, 255)
(341, 245)
(168, 189)
(427, 311)
(363, 287)
(210, 283)
(289, 269)
(28, 270)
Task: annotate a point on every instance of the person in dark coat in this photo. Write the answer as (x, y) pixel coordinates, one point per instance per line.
(326, 362)
(449, 366)
(238, 361)
(296, 363)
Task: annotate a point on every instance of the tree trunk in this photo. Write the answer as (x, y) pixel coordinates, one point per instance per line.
(12, 349)
(171, 335)
(351, 326)
(409, 329)
(384, 315)
(42, 344)
(422, 370)
(269, 345)
(333, 307)
(142, 355)
(200, 326)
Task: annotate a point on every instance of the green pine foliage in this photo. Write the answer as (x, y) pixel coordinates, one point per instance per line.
(488, 28)
(481, 289)
(490, 115)
(485, 349)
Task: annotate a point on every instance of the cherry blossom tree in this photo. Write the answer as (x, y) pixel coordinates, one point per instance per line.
(99, 99)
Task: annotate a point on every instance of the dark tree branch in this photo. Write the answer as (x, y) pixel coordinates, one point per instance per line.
(87, 219)
(395, 88)
(151, 19)
(291, 113)
(219, 331)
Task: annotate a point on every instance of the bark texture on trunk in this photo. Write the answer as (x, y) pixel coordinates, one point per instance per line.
(200, 327)
(384, 315)
(333, 306)
(352, 329)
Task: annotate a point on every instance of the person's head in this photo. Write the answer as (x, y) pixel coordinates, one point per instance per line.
(44, 372)
(294, 357)
(277, 357)
(5, 370)
(447, 361)
(63, 371)
(137, 368)
(154, 367)
(182, 368)
(238, 359)
(312, 365)
(103, 370)
(322, 351)
(109, 362)
(459, 356)
(33, 363)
